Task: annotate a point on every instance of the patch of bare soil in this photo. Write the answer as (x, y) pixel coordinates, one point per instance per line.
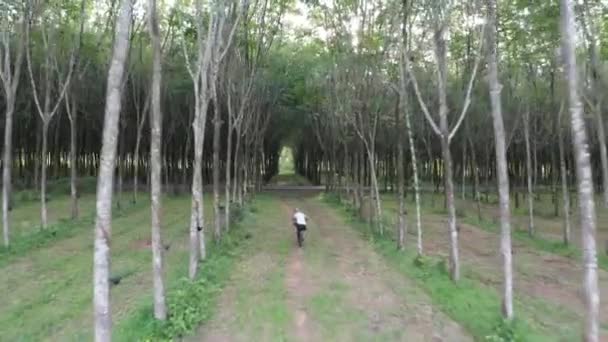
(554, 279)
(298, 289)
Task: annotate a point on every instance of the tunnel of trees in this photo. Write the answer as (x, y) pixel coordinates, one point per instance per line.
(465, 98)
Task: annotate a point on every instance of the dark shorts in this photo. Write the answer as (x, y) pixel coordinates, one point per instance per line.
(300, 227)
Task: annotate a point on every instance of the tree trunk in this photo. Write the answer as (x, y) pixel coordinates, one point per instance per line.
(601, 137)
(564, 179)
(156, 120)
(584, 175)
(7, 168)
(464, 168)
(105, 180)
(501, 163)
(236, 168)
(136, 159)
(37, 161)
(475, 170)
(217, 124)
(402, 226)
(446, 153)
(228, 199)
(529, 174)
(120, 165)
(43, 169)
(185, 159)
(416, 181)
(73, 158)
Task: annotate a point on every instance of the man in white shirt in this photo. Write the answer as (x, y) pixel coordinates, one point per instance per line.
(299, 221)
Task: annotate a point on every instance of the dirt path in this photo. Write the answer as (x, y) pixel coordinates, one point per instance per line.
(334, 289)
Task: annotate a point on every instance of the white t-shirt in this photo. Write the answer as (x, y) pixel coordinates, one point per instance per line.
(300, 218)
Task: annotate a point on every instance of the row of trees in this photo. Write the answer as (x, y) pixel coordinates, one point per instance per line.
(436, 70)
(215, 61)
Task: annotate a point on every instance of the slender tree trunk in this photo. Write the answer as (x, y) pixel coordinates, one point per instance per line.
(228, 199)
(43, 170)
(105, 180)
(217, 124)
(529, 174)
(136, 159)
(451, 207)
(416, 181)
(185, 159)
(37, 160)
(584, 175)
(236, 166)
(402, 226)
(374, 191)
(464, 168)
(120, 165)
(73, 157)
(564, 179)
(7, 168)
(446, 153)
(475, 170)
(501, 163)
(156, 120)
(601, 137)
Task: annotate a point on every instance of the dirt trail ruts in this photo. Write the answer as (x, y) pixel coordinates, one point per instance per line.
(351, 293)
(336, 288)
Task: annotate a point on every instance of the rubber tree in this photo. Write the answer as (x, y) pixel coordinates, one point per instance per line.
(45, 107)
(501, 160)
(584, 176)
(156, 119)
(10, 74)
(105, 179)
(442, 131)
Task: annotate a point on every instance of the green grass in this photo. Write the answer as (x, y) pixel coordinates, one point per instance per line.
(537, 242)
(50, 286)
(63, 229)
(189, 302)
(475, 306)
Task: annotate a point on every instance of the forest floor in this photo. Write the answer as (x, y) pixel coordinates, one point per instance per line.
(548, 286)
(339, 287)
(49, 289)
(336, 288)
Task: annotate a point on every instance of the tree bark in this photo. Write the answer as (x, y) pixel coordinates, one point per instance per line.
(10, 80)
(416, 181)
(529, 174)
(156, 119)
(564, 180)
(446, 153)
(105, 180)
(7, 168)
(402, 219)
(72, 116)
(228, 180)
(217, 124)
(43, 170)
(136, 160)
(583, 173)
(501, 163)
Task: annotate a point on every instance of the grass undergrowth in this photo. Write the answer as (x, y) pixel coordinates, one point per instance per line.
(63, 229)
(473, 305)
(190, 303)
(555, 247)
